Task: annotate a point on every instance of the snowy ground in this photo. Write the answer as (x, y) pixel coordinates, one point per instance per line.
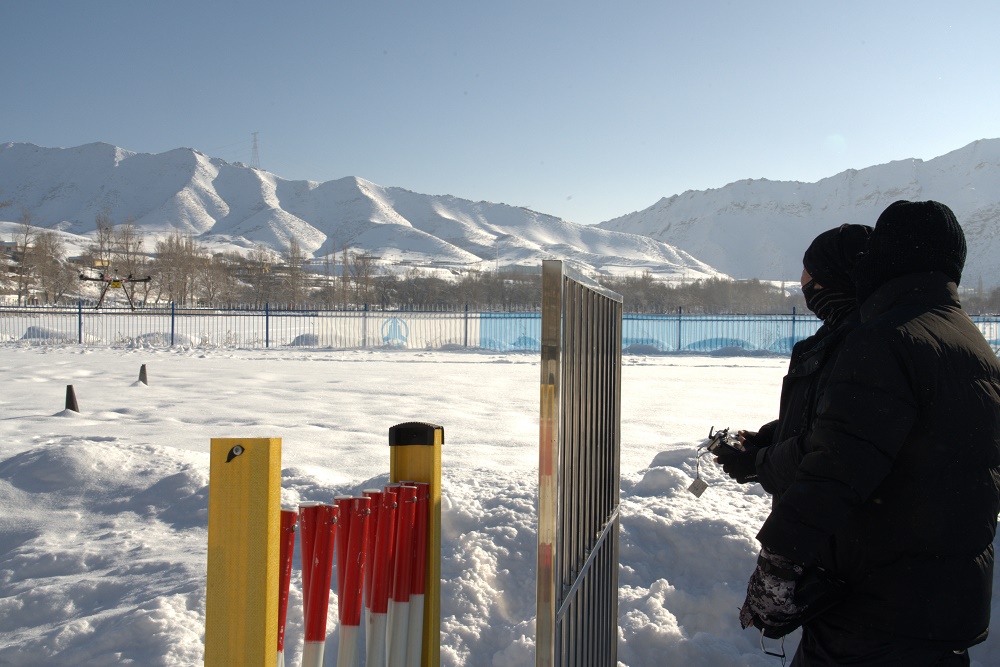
(103, 534)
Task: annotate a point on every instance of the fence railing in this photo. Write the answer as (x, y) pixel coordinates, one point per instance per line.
(168, 326)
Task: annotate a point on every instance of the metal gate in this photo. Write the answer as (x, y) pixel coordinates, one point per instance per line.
(579, 468)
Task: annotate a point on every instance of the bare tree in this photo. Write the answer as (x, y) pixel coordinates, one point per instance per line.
(362, 272)
(128, 256)
(23, 240)
(101, 248)
(127, 243)
(345, 277)
(55, 278)
(175, 271)
(258, 274)
(293, 280)
(327, 293)
(219, 282)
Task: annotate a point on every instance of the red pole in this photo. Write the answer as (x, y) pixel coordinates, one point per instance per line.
(286, 550)
(375, 499)
(391, 562)
(346, 516)
(353, 579)
(381, 579)
(418, 584)
(308, 518)
(321, 521)
(420, 520)
(399, 607)
(402, 567)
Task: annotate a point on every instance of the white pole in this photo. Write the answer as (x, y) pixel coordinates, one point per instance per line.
(347, 650)
(375, 640)
(415, 642)
(312, 654)
(397, 632)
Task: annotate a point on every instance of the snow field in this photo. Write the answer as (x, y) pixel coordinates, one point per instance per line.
(103, 535)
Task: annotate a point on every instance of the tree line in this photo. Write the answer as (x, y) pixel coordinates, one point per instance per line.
(185, 273)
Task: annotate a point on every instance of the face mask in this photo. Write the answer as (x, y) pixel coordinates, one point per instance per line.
(829, 305)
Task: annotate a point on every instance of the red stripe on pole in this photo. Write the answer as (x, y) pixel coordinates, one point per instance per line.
(375, 506)
(345, 504)
(308, 518)
(420, 521)
(382, 566)
(320, 569)
(394, 489)
(403, 565)
(350, 597)
(286, 550)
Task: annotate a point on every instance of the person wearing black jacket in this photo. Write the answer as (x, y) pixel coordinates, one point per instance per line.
(898, 488)
(772, 452)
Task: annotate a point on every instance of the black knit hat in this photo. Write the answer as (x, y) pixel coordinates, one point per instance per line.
(912, 237)
(830, 258)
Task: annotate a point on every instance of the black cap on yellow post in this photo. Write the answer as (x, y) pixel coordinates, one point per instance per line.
(415, 455)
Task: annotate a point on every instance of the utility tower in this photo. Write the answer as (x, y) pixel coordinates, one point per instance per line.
(255, 156)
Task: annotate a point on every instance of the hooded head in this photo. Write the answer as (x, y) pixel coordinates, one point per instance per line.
(911, 237)
(829, 261)
(830, 258)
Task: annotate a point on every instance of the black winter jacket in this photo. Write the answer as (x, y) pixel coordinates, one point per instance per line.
(899, 487)
(808, 369)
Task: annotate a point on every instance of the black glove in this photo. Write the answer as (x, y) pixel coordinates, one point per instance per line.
(759, 438)
(770, 604)
(741, 466)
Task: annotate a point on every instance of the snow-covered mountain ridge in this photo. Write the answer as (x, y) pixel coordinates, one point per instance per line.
(226, 206)
(760, 228)
(747, 229)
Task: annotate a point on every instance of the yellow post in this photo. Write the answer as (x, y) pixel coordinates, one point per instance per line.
(415, 456)
(244, 525)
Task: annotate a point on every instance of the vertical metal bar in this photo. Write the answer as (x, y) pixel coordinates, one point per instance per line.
(680, 314)
(548, 463)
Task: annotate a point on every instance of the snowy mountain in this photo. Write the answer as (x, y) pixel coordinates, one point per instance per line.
(747, 229)
(760, 228)
(227, 206)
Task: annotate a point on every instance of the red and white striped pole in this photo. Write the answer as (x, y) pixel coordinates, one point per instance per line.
(375, 499)
(318, 540)
(352, 578)
(381, 579)
(414, 643)
(397, 628)
(286, 550)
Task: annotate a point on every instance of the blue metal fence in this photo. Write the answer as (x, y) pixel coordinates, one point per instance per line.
(168, 326)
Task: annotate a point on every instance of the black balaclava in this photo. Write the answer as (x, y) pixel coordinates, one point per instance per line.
(911, 237)
(830, 259)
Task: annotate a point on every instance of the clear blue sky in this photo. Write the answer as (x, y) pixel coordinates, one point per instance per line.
(584, 110)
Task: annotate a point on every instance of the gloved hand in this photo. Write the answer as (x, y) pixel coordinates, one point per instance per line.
(758, 439)
(741, 466)
(770, 602)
